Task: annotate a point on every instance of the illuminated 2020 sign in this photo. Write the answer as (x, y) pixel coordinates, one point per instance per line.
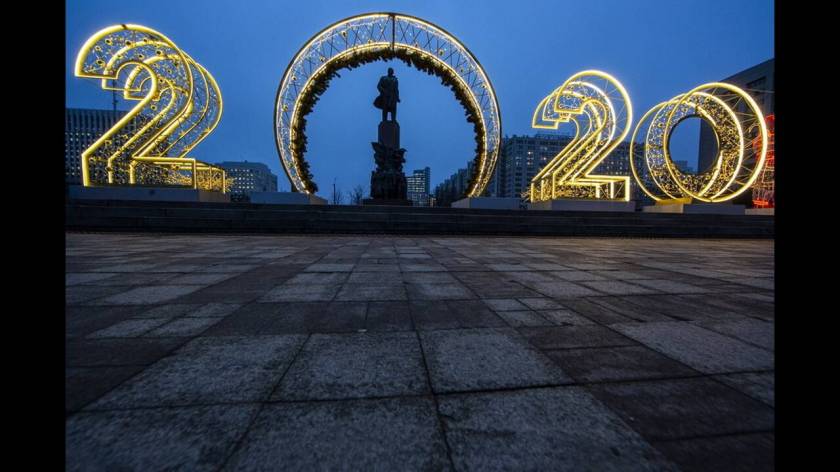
(179, 104)
(599, 107)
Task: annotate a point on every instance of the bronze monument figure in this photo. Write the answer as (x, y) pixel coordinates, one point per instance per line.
(387, 181)
(389, 95)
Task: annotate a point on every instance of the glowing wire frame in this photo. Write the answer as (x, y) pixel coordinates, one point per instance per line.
(389, 33)
(179, 105)
(601, 102)
(764, 189)
(731, 113)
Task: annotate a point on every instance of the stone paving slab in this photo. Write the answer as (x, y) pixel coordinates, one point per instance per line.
(617, 363)
(231, 352)
(191, 326)
(359, 365)
(684, 408)
(85, 384)
(197, 438)
(542, 429)
(440, 314)
(209, 370)
(704, 350)
(387, 434)
(570, 337)
(737, 452)
(756, 332)
(486, 359)
(147, 295)
(80, 321)
(118, 351)
(759, 385)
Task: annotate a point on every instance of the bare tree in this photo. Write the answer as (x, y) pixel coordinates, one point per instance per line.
(357, 195)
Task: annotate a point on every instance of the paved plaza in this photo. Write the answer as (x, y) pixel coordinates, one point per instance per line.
(216, 352)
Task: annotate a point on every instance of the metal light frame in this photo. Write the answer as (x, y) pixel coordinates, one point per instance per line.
(180, 103)
(389, 34)
(600, 108)
(764, 189)
(731, 113)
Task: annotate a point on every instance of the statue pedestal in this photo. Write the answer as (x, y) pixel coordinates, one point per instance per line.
(389, 134)
(387, 182)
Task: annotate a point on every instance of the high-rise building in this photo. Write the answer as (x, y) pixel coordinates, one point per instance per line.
(418, 186)
(454, 187)
(82, 127)
(521, 157)
(683, 166)
(758, 81)
(248, 177)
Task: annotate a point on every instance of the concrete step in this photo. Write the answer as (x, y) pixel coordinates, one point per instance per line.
(91, 215)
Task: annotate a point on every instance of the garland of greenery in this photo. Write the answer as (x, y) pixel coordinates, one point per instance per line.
(421, 61)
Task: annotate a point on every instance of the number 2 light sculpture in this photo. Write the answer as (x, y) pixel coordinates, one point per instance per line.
(179, 104)
(599, 107)
(732, 114)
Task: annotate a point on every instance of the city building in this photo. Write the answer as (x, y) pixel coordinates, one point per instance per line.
(683, 166)
(758, 81)
(418, 186)
(248, 177)
(454, 187)
(83, 126)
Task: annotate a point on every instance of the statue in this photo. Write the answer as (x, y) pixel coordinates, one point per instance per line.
(387, 181)
(389, 95)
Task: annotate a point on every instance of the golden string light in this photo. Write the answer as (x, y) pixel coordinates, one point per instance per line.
(389, 35)
(600, 109)
(737, 123)
(179, 104)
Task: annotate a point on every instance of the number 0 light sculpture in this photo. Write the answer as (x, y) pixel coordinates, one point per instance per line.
(179, 105)
(732, 114)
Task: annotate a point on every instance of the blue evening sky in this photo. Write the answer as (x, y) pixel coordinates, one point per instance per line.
(657, 49)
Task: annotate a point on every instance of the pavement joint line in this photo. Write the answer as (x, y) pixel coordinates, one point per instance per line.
(654, 439)
(730, 336)
(672, 377)
(239, 441)
(598, 294)
(712, 376)
(713, 436)
(167, 353)
(432, 394)
(438, 415)
(701, 375)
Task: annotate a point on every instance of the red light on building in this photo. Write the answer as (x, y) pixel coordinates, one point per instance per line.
(764, 190)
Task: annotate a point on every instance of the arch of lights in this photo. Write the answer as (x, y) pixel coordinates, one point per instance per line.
(741, 134)
(600, 109)
(388, 35)
(180, 103)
